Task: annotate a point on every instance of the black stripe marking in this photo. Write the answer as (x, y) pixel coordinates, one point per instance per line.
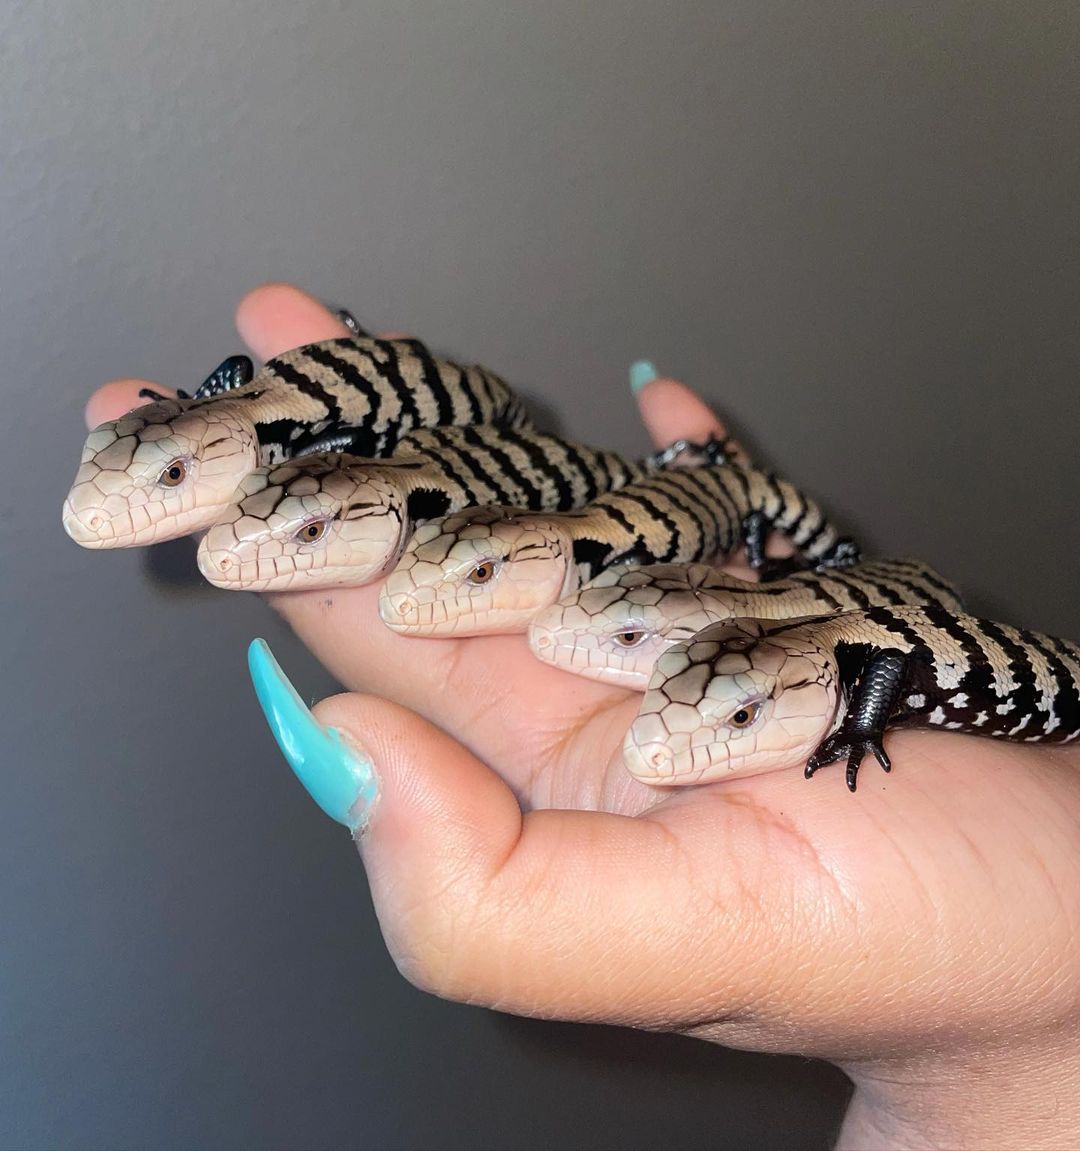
(390, 373)
(427, 504)
(1025, 695)
(461, 491)
(1066, 703)
(882, 590)
(693, 509)
(637, 494)
(541, 464)
(828, 601)
(309, 387)
(885, 618)
(588, 474)
(723, 506)
(1067, 700)
(433, 380)
(487, 476)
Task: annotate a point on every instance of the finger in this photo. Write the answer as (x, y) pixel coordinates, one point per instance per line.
(117, 397)
(571, 914)
(671, 411)
(276, 317)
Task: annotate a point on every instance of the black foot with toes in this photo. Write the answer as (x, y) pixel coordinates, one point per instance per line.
(852, 746)
(845, 552)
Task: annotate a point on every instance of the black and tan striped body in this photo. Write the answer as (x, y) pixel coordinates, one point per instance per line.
(173, 466)
(679, 591)
(447, 469)
(748, 695)
(489, 569)
(361, 394)
(686, 514)
(962, 673)
(326, 520)
(616, 627)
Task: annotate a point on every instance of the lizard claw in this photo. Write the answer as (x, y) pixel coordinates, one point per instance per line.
(845, 552)
(151, 394)
(850, 745)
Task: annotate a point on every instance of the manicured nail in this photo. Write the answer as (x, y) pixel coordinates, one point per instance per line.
(641, 373)
(340, 781)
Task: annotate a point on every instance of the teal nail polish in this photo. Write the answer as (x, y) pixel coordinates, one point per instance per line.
(641, 373)
(340, 781)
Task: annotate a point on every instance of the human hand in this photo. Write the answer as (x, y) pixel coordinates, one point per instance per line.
(922, 933)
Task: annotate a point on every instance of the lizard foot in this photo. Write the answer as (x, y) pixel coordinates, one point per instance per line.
(851, 745)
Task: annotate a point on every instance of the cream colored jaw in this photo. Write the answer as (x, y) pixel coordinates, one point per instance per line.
(430, 591)
(579, 633)
(682, 734)
(562, 636)
(261, 546)
(117, 499)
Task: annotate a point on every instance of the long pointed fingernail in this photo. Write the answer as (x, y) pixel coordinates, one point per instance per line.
(641, 373)
(342, 782)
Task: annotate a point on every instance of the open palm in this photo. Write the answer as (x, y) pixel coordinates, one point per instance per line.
(935, 909)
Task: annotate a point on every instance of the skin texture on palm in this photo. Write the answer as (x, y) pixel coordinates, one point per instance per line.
(916, 932)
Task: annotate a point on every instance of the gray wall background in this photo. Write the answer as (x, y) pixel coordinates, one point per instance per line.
(853, 226)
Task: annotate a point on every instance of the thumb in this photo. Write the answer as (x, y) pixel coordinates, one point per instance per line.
(568, 914)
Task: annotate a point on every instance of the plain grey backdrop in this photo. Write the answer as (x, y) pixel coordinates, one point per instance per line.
(853, 226)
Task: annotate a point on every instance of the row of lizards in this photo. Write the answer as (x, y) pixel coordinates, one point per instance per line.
(352, 459)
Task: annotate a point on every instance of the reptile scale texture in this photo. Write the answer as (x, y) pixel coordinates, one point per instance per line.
(618, 626)
(747, 695)
(336, 520)
(491, 569)
(340, 459)
(174, 466)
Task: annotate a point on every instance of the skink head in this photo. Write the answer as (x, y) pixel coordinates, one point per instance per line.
(733, 700)
(610, 634)
(315, 522)
(483, 570)
(159, 472)
(617, 626)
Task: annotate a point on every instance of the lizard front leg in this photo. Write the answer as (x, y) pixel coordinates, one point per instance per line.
(230, 374)
(873, 701)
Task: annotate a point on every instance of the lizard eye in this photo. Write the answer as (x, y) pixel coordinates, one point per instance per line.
(745, 715)
(482, 573)
(313, 532)
(629, 638)
(174, 474)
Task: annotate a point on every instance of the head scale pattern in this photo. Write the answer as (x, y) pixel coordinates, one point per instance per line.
(736, 699)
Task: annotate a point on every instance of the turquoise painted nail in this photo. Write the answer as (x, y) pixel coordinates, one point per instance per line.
(642, 373)
(341, 782)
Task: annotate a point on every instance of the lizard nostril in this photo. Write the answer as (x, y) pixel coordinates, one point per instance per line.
(651, 761)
